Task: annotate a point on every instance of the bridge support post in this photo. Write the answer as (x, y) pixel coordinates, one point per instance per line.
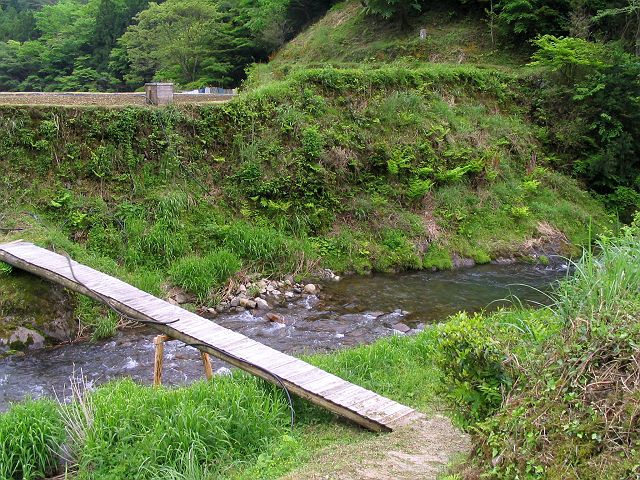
(158, 342)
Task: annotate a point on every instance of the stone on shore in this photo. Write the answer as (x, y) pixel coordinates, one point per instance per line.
(261, 304)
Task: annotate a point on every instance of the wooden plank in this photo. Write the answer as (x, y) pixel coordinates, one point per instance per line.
(324, 389)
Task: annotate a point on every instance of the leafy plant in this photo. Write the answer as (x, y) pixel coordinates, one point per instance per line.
(472, 364)
(5, 268)
(200, 275)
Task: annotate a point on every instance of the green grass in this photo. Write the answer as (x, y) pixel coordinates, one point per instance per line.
(201, 275)
(29, 434)
(236, 427)
(348, 37)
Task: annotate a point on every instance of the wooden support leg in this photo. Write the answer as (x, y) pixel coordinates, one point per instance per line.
(206, 360)
(158, 341)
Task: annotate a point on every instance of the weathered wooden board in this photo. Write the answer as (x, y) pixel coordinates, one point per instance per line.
(351, 401)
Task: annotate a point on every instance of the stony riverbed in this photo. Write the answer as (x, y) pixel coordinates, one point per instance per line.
(331, 315)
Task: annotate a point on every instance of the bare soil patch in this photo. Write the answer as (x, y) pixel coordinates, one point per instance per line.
(419, 451)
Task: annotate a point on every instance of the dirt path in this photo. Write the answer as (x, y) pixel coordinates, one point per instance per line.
(420, 451)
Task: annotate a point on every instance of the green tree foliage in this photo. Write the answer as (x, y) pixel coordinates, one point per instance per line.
(17, 21)
(524, 19)
(601, 86)
(106, 45)
(188, 42)
(393, 9)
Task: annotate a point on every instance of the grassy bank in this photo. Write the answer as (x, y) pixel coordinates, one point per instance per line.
(575, 420)
(232, 427)
(347, 37)
(362, 169)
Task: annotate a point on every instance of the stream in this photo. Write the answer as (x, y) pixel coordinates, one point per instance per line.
(356, 310)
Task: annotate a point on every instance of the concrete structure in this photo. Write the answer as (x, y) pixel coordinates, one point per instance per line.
(159, 93)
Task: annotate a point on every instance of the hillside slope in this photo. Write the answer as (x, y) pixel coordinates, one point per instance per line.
(383, 167)
(347, 37)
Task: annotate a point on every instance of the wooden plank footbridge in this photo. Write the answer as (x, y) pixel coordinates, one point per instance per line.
(351, 401)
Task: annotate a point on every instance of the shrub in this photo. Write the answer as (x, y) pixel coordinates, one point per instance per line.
(312, 142)
(200, 275)
(471, 361)
(573, 411)
(5, 268)
(419, 188)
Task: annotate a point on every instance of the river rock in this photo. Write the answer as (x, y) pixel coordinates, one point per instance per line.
(23, 338)
(401, 327)
(503, 261)
(242, 288)
(261, 304)
(30, 304)
(289, 295)
(235, 302)
(462, 262)
(274, 317)
(223, 372)
(246, 303)
(181, 298)
(310, 288)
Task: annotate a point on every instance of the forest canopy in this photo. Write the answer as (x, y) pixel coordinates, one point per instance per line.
(109, 45)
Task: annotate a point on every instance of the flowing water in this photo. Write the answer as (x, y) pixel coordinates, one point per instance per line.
(353, 311)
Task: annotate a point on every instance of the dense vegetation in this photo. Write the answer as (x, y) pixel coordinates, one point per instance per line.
(590, 105)
(360, 170)
(120, 44)
(358, 147)
(554, 394)
(548, 393)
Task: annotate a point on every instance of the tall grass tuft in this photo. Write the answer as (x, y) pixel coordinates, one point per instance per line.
(604, 284)
(29, 435)
(264, 246)
(141, 432)
(200, 275)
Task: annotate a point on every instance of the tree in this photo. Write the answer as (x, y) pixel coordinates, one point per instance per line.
(599, 93)
(523, 19)
(184, 41)
(393, 9)
(631, 14)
